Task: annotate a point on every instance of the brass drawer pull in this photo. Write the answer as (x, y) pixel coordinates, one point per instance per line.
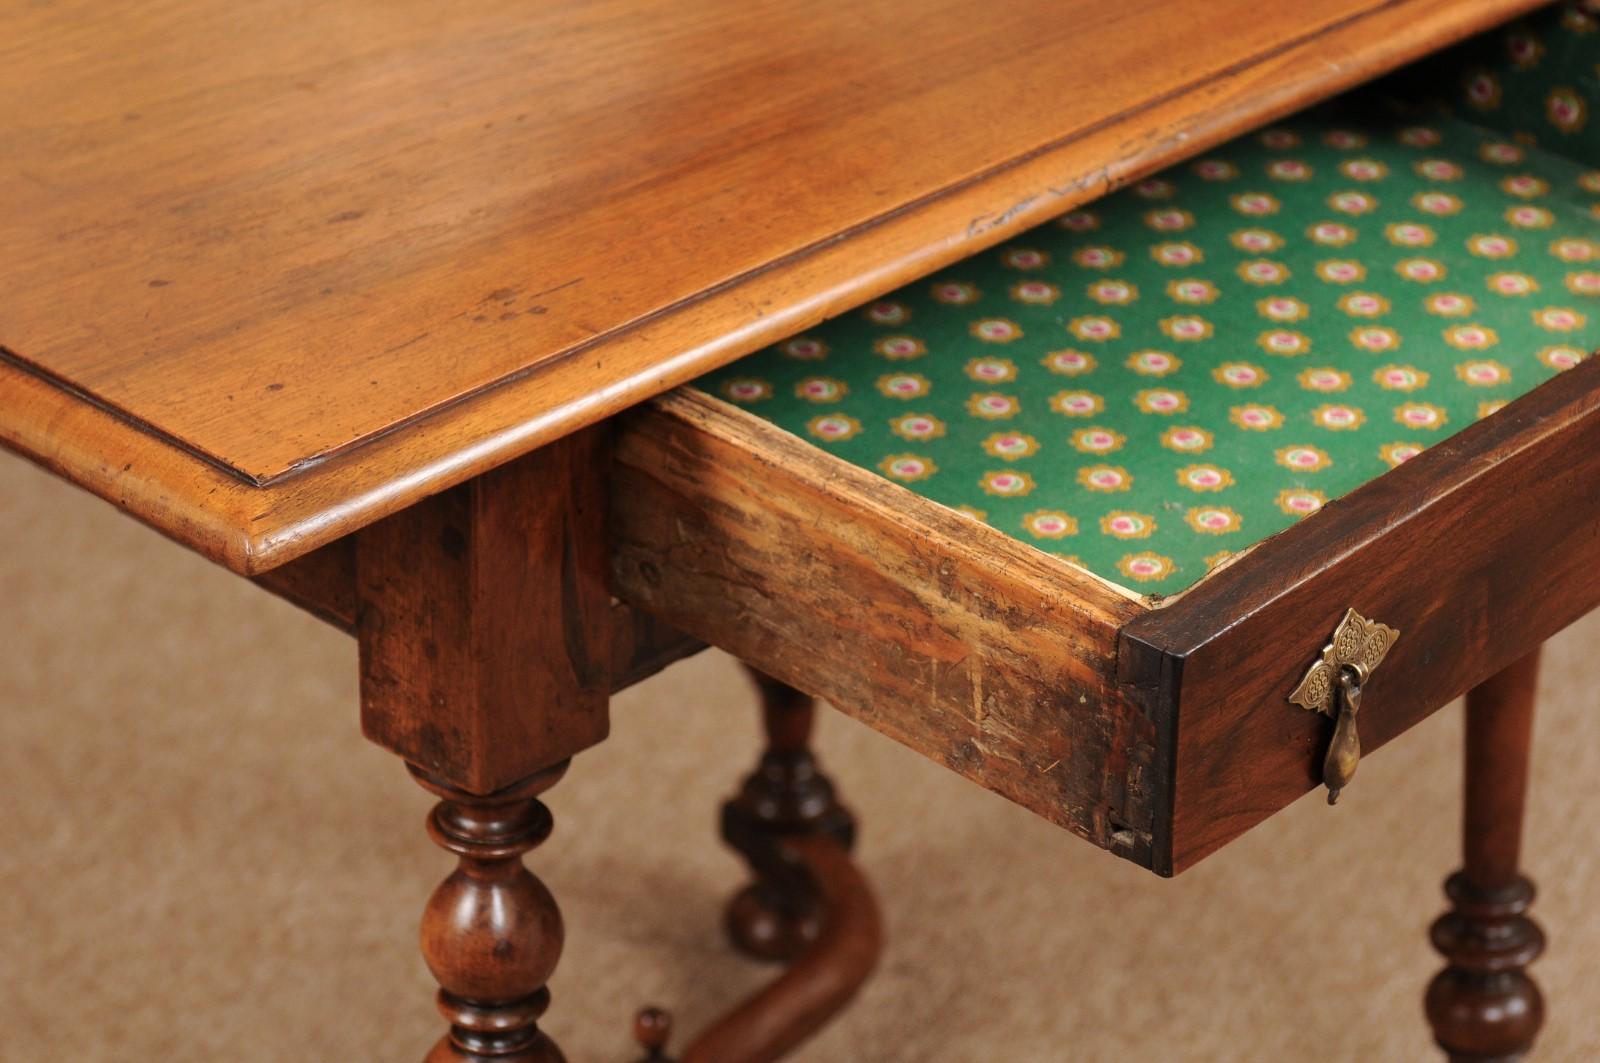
(1332, 686)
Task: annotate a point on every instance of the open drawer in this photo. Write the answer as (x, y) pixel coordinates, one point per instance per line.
(1158, 729)
(1161, 726)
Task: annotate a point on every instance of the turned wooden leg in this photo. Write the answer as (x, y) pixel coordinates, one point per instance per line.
(778, 914)
(491, 933)
(1483, 1006)
(809, 906)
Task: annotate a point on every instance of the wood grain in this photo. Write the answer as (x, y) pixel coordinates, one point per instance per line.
(1477, 551)
(323, 583)
(991, 657)
(1484, 1004)
(484, 621)
(277, 273)
(491, 932)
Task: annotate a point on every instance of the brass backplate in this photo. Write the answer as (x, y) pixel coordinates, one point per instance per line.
(1359, 644)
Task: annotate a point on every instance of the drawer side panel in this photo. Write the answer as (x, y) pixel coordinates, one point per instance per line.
(958, 641)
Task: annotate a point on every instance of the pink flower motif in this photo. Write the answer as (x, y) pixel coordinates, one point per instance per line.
(1169, 220)
(1353, 202)
(903, 385)
(1262, 271)
(1035, 292)
(1420, 415)
(1282, 308)
(888, 313)
(900, 347)
(993, 405)
(1575, 249)
(1438, 203)
(1096, 257)
(1512, 284)
(1240, 375)
(1470, 337)
(1203, 477)
(1257, 240)
(804, 348)
(1076, 403)
(820, 389)
(747, 390)
(1152, 363)
(1216, 169)
(1364, 170)
(834, 426)
(1483, 374)
(1584, 282)
(954, 293)
(1398, 453)
(1324, 380)
(1176, 254)
(1483, 90)
(1425, 270)
(1093, 328)
(1449, 304)
(1530, 217)
(1257, 204)
(1439, 170)
(1115, 292)
(1341, 271)
(996, 330)
(1070, 363)
(1501, 153)
(1400, 378)
(1186, 439)
(1302, 503)
(1344, 139)
(1375, 338)
(1419, 137)
(1024, 258)
(1007, 483)
(1332, 233)
(1562, 357)
(1559, 319)
(917, 426)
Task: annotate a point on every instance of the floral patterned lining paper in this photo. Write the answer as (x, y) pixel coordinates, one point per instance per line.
(1152, 383)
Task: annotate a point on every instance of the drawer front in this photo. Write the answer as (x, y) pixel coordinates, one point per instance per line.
(1476, 551)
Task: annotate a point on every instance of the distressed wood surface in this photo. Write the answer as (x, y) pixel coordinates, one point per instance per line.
(323, 583)
(277, 272)
(484, 621)
(1477, 550)
(992, 658)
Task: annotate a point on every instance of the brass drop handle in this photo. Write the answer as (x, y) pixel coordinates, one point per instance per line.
(1332, 686)
(1344, 752)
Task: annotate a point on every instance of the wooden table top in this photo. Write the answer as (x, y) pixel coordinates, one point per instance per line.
(277, 270)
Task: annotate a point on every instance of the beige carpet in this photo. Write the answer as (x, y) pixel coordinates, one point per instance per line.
(200, 859)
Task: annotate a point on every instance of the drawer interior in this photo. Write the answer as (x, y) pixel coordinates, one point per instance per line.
(1160, 380)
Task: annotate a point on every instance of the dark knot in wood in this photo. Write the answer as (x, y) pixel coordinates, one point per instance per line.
(491, 933)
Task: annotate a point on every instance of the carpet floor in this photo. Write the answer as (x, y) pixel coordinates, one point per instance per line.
(201, 859)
